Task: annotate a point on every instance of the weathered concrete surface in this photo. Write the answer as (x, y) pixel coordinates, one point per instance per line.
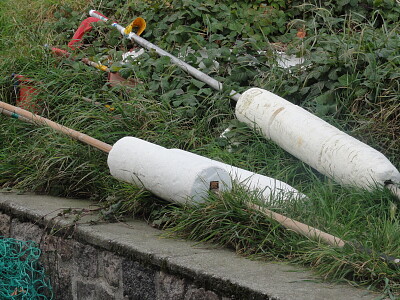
(131, 261)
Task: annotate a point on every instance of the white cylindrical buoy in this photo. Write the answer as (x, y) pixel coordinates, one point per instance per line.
(314, 141)
(269, 189)
(170, 175)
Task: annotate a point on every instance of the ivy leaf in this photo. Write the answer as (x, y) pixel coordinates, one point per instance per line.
(199, 84)
(217, 37)
(207, 62)
(190, 100)
(169, 95)
(161, 63)
(115, 67)
(344, 80)
(325, 104)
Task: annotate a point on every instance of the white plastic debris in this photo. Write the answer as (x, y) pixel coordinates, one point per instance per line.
(171, 175)
(231, 141)
(132, 55)
(314, 141)
(286, 61)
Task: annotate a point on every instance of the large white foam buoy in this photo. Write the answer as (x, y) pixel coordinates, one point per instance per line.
(269, 189)
(170, 175)
(314, 141)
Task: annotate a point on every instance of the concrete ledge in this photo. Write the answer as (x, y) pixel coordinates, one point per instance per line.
(131, 261)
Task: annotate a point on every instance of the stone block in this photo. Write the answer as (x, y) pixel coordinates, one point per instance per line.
(195, 293)
(86, 260)
(60, 275)
(102, 294)
(169, 287)
(92, 291)
(65, 249)
(5, 222)
(85, 291)
(62, 284)
(58, 269)
(138, 281)
(110, 266)
(25, 231)
(49, 243)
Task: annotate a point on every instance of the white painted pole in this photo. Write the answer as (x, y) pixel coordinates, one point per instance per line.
(215, 84)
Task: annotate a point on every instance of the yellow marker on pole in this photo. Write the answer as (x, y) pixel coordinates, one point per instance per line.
(138, 22)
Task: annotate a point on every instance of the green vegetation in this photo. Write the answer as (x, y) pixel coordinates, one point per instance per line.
(350, 78)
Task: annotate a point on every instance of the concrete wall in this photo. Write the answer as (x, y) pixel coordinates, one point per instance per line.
(92, 260)
(81, 271)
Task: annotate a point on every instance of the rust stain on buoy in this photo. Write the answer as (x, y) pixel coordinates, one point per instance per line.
(214, 185)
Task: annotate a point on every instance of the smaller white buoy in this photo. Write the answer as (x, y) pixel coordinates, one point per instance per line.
(172, 176)
(269, 189)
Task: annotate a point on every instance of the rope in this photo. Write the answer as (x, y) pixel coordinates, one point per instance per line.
(21, 275)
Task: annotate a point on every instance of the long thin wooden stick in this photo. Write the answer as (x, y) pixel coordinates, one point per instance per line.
(16, 111)
(300, 228)
(66, 54)
(14, 115)
(316, 234)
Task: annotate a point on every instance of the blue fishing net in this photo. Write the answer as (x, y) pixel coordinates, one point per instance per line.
(21, 275)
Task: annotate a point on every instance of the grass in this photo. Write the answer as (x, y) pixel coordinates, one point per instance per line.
(38, 159)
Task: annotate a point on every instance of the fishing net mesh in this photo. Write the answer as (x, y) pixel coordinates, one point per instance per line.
(21, 275)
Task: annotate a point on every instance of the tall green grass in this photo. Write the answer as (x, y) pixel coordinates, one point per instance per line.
(171, 109)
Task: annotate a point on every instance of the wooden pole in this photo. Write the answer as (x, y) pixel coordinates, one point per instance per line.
(17, 111)
(13, 115)
(300, 228)
(316, 234)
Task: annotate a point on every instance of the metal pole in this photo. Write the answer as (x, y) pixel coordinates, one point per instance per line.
(215, 84)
